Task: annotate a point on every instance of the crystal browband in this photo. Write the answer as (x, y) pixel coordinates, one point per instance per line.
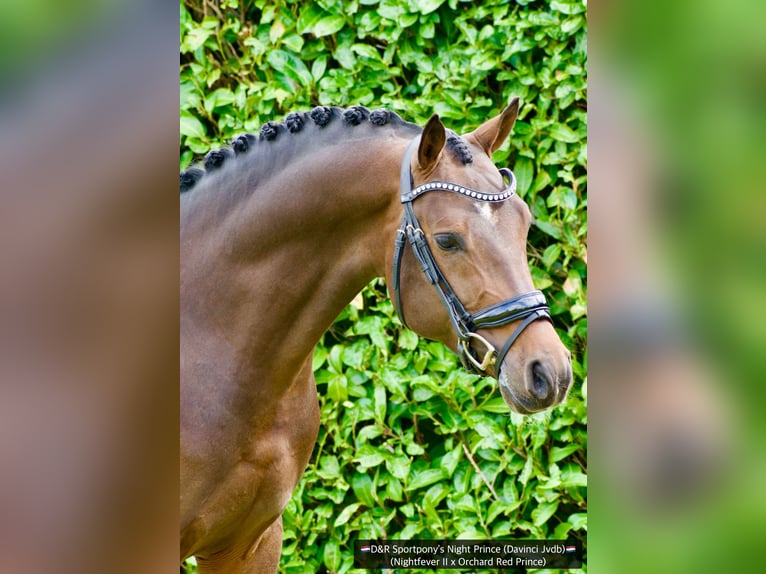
(472, 193)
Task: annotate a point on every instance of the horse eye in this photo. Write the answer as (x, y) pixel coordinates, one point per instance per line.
(448, 242)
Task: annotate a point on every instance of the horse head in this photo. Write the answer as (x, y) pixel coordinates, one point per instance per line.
(460, 273)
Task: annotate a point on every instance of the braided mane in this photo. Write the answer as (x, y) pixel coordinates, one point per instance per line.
(293, 124)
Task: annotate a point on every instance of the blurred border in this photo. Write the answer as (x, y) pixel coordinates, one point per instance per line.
(677, 286)
(89, 286)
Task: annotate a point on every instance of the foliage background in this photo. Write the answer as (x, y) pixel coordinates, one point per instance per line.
(410, 445)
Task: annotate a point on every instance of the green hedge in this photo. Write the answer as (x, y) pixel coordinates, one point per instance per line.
(410, 445)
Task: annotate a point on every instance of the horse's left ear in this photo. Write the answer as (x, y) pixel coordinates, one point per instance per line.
(492, 134)
(431, 143)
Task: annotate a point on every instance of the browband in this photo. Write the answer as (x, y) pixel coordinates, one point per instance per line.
(467, 191)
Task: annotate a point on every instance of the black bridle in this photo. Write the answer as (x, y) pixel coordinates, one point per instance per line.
(528, 306)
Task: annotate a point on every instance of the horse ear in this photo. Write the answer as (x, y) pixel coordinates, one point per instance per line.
(492, 134)
(431, 143)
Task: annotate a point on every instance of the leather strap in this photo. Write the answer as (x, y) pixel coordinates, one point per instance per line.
(534, 316)
(508, 311)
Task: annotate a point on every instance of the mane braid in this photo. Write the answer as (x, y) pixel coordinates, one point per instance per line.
(293, 123)
(215, 158)
(459, 148)
(190, 177)
(380, 117)
(321, 115)
(270, 130)
(242, 143)
(355, 115)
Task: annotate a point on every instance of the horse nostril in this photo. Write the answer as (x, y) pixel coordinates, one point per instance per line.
(539, 383)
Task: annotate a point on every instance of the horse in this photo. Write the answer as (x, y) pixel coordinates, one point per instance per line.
(279, 232)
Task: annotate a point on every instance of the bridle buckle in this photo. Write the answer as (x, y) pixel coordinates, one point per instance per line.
(465, 353)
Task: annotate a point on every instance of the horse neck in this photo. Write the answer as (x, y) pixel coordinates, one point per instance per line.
(269, 269)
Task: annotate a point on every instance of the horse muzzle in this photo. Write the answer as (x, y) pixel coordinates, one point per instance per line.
(538, 382)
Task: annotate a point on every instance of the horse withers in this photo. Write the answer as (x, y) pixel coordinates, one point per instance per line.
(278, 233)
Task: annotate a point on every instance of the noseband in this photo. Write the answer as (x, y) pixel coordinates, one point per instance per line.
(528, 306)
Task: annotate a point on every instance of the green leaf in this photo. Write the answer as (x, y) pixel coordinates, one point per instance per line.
(560, 452)
(578, 310)
(427, 6)
(572, 24)
(573, 284)
(398, 466)
(345, 56)
(564, 197)
(526, 471)
(320, 354)
(354, 354)
(496, 405)
(578, 520)
(575, 478)
(380, 403)
(543, 512)
(328, 467)
(408, 339)
(337, 388)
(465, 503)
(406, 20)
(195, 39)
(539, 433)
(436, 494)
(551, 254)
(327, 25)
(331, 555)
(335, 358)
(291, 66)
(421, 394)
(361, 484)
(369, 460)
(220, 97)
(276, 31)
(294, 42)
(501, 530)
(391, 11)
(366, 51)
(191, 126)
(347, 513)
(567, 7)
(524, 170)
(563, 133)
(451, 459)
(369, 432)
(394, 490)
(549, 228)
(190, 96)
(542, 181)
(318, 68)
(308, 18)
(562, 531)
(426, 478)
(375, 327)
